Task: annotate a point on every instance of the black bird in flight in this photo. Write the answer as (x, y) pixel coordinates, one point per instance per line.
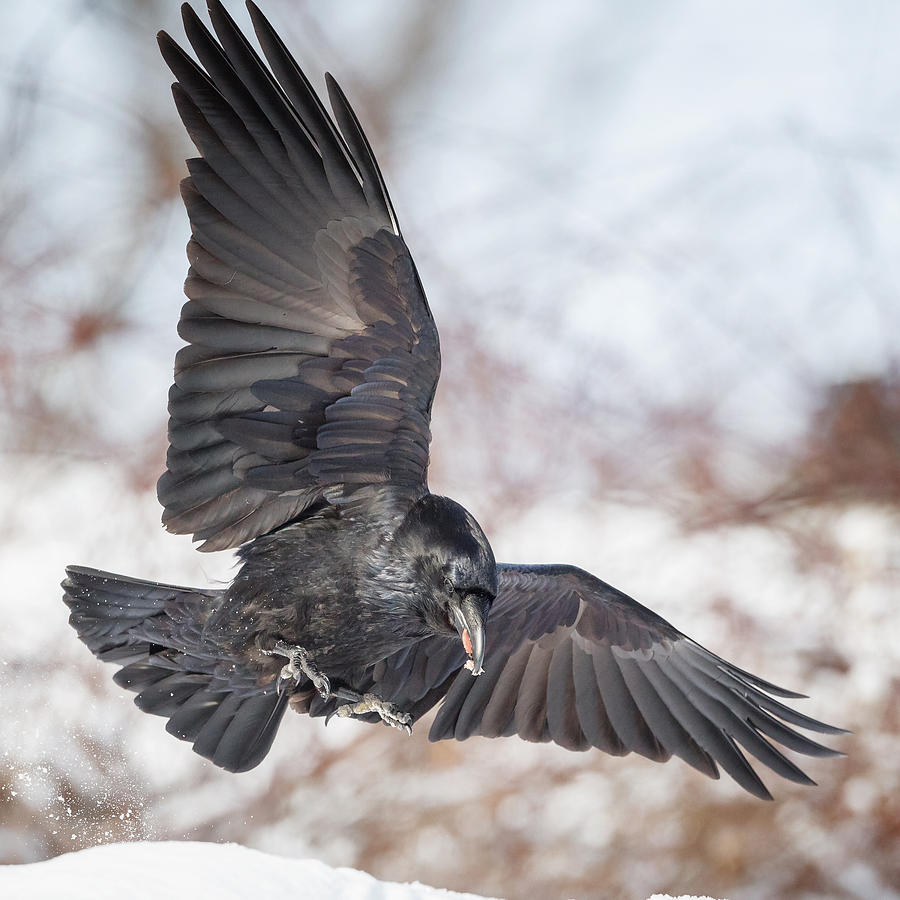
(299, 431)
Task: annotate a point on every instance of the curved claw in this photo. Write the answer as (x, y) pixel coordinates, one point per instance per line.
(323, 686)
(344, 711)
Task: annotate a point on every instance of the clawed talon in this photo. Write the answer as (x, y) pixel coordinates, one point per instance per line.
(368, 703)
(319, 680)
(300, 664)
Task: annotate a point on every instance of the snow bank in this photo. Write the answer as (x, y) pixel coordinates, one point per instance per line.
(175, 869)
(224, 871)
(682, 897)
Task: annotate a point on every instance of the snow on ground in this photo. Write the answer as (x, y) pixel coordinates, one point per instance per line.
(224, 871)
(180, 868)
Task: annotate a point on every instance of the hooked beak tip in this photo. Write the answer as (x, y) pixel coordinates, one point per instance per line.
(470, 625)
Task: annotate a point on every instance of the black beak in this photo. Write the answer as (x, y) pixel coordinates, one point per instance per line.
(469, 621)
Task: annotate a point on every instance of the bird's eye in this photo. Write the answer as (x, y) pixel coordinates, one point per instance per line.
(448, 585)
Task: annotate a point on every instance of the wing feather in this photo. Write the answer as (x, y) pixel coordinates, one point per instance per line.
(312, 356)
(572, 660)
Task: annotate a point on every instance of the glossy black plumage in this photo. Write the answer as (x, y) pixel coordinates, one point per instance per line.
(313, 356)
(299, 432)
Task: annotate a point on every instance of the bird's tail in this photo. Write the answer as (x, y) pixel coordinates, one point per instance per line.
(155, 632)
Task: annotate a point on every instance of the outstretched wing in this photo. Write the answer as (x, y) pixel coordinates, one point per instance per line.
(312, 357)
(570, 659)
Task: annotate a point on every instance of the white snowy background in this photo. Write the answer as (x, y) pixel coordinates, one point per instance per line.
(224, 871)
(654, 235)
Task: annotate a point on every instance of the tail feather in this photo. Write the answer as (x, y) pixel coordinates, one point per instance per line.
(165, 696)
(110, 611)
(223, 736)
(155, 632)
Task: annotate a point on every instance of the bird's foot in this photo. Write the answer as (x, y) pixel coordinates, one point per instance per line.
(369, 703)
(300, 663)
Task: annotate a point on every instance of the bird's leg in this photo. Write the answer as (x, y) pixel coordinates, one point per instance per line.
(300, 663)
(361, 704)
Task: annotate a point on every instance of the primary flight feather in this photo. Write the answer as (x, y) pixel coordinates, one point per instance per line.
(299, 433)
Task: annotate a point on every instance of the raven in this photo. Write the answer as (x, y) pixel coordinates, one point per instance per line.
(299, 433)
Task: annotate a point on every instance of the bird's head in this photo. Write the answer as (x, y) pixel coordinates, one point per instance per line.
(455, 572)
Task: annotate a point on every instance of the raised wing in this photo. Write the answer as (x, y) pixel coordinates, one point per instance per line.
(312, 357)
(570, 659)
